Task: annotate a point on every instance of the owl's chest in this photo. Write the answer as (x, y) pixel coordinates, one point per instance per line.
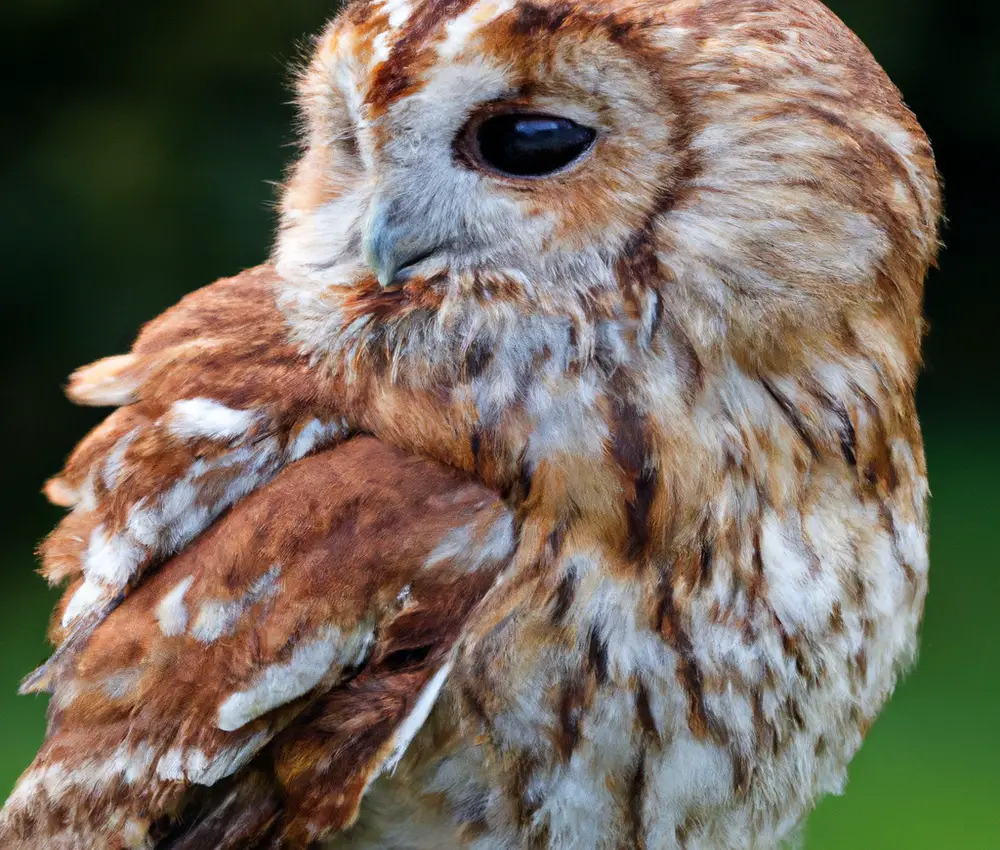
(581, 718)
(614, 711)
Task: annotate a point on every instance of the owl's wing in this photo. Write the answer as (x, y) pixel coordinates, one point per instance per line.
(213, 401)
(251, 688)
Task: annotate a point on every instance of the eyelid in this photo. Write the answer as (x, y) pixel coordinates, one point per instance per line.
(533, 105)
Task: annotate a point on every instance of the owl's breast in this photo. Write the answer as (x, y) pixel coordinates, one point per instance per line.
(659, 708)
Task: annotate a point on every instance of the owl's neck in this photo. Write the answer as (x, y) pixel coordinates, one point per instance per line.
(618, 430)
(647, 459)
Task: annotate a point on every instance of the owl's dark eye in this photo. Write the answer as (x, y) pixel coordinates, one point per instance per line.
(526, 145)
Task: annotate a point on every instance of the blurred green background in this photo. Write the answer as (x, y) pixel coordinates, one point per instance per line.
(140, 144)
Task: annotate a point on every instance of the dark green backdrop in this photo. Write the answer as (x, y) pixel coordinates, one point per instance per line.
(136, 153)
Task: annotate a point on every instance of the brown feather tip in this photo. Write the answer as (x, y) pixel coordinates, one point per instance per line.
(106, 383)
(60, 493)
(234, 818)
(43, 680)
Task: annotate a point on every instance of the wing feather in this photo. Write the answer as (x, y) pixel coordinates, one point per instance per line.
(214, 401)
(313, 621)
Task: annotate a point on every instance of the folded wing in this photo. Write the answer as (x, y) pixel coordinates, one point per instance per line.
(249, 690)
(213, 401)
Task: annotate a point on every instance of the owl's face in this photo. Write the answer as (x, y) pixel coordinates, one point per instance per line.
(745, 166)
(485, 141)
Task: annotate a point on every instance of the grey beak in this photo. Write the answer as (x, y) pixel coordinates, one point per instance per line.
(391, 247)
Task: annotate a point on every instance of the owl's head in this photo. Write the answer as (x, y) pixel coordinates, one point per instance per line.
(742, 166)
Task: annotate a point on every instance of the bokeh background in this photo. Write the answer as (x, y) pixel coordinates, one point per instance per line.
(139, 148)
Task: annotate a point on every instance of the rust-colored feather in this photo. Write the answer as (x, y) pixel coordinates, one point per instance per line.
(336, 553)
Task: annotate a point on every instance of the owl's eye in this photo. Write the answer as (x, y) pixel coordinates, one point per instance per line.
(527, 145)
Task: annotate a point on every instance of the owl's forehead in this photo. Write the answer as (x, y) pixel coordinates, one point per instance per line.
(408, 26)
(382, 51)
(385, 50)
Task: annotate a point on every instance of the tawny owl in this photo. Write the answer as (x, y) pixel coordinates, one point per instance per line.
(558, 484)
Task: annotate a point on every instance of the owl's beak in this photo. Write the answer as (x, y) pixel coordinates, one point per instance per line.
(393, 249)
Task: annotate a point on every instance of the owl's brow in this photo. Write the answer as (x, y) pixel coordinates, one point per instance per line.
(394, 76)
(398, 74)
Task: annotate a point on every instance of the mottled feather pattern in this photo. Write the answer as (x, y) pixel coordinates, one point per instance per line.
(674, 557)
(332, 574)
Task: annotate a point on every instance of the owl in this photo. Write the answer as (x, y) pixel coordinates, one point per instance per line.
(558, 482)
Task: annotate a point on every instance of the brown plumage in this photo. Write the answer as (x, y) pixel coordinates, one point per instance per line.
(335, 558)
(637, 545)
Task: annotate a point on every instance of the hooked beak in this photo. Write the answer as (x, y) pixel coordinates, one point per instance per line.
(392, 248)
